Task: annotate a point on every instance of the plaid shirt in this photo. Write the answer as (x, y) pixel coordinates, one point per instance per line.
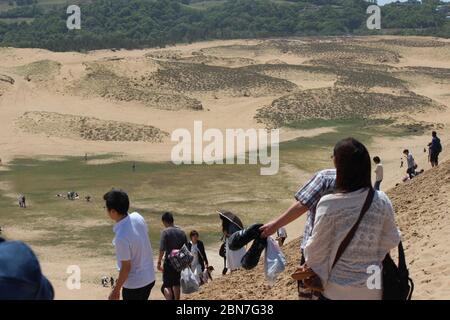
(309, 195)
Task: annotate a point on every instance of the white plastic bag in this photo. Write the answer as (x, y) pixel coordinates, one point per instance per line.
(189, 283)
(275, 261)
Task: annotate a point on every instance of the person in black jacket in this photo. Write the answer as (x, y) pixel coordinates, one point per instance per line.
(197, 248)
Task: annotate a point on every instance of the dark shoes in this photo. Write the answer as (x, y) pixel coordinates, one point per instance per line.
(243, 237)
(251, 258)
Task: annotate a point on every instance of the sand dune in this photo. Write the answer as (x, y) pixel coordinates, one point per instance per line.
(126, 102)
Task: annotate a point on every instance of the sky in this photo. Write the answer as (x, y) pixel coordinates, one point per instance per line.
(381, 2)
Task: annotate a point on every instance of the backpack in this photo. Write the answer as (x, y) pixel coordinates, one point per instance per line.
(438, 146)
(223, 251)
(397, 285)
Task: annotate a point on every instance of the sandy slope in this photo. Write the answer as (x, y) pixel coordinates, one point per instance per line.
(423, 216)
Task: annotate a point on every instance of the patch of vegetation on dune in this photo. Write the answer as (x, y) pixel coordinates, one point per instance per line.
(333, 49)
(337, 104)
(367, 78)
(190, 77)
(103, 82)
(361, 75)
(348, 74)
(87, 128)
(284, 70)
(415, 43)
(438, 73)
(39, 70)
(218, 61)
(165, 54)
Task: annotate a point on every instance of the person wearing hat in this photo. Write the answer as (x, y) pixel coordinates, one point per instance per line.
(21, 277)
(230, 225)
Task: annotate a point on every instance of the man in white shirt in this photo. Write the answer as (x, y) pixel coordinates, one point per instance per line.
(378, 173)
(133, 249)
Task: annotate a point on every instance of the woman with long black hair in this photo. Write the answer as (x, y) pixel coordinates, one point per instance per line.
(357, 274)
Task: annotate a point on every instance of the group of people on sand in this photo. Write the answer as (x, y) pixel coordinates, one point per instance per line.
(73, 195)
(134, 252)
(332, 199)
(335, 201)
(108, 281)
(434, 150)
(341, 204)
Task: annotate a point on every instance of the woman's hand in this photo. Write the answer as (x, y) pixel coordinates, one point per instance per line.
(268, 229)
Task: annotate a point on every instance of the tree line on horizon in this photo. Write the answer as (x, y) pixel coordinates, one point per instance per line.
(158, 23)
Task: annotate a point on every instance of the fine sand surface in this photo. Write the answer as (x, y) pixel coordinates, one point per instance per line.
(127, 103)
(422, 209)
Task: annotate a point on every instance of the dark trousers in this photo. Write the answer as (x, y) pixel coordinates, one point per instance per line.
(139, 293)
(411, 172)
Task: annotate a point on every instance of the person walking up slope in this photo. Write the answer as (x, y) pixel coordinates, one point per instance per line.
(435, 148)
(378, 173)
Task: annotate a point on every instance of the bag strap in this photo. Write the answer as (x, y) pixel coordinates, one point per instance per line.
(200, 253)
(401, 258)
(404, 269)
(352, 232)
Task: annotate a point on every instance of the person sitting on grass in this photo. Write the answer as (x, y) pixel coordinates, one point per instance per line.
(133, 249)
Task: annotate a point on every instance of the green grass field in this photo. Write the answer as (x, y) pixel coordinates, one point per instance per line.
(192, 192)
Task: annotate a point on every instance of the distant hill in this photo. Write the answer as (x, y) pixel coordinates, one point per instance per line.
(423, 216)
(157, 23)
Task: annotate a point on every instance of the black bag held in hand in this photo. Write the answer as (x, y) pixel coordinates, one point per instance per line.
(397, 285)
